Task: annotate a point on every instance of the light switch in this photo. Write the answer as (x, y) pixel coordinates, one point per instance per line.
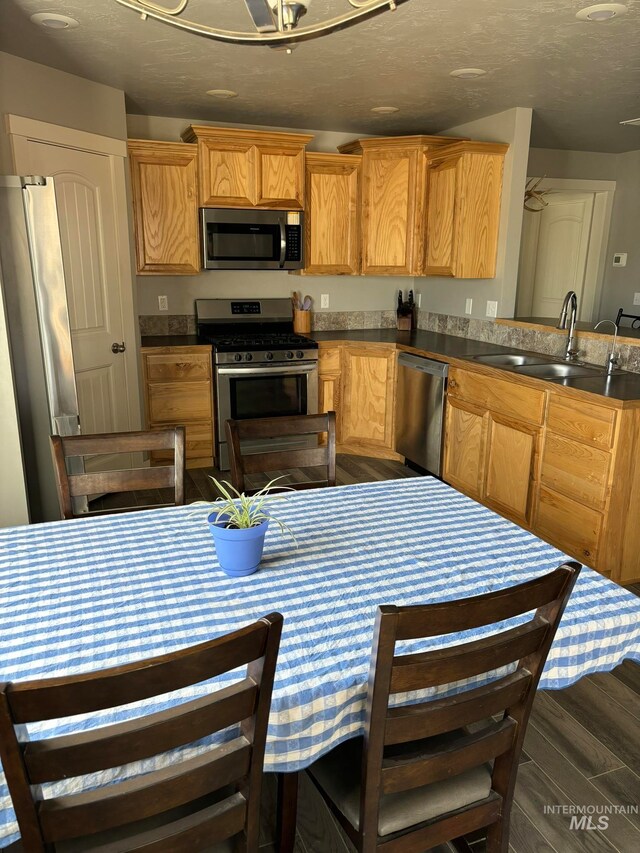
(636, 298)
(468, 306)
(163, 303)
(620, 259)
(492, 308)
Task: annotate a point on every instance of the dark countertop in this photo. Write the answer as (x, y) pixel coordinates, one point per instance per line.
(621, 386)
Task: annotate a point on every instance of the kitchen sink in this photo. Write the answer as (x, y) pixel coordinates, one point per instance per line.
(511, 359)
(560, 370)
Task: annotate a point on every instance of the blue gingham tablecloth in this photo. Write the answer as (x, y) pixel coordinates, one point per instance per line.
(82, 595)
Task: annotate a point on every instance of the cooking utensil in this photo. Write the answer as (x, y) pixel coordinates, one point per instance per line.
(306, 305)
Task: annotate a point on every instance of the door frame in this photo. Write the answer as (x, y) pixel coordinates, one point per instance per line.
(601, 220)
(23, 130)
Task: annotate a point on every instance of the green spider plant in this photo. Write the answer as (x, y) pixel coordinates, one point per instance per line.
(245, 511)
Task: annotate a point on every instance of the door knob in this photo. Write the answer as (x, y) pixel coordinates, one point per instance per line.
(116, 348)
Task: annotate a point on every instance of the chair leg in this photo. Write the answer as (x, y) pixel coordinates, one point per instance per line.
(498, 836)
(287, 811)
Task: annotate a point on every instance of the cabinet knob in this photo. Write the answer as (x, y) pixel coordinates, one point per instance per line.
(586, 553)
(452, 383)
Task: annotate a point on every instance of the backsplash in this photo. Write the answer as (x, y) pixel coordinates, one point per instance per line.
(593, 350)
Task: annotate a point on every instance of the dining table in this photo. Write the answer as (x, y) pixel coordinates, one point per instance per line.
(85, 594)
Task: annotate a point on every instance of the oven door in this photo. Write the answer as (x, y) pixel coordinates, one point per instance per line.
(264, 391)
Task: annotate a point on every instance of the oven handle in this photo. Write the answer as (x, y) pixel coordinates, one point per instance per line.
(294, 370)
(283, 244)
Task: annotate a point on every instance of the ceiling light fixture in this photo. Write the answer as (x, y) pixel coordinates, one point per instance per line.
(275, 21)
(467, 73)
(601, 12)
(224, 94)
(53, 21)
(385, 111)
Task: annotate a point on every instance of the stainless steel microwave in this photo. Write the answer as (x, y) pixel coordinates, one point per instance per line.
(252, 239)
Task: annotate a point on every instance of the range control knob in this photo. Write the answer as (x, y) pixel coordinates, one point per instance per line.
(269, 356)
(289, 354)
(299, 354)
(237, 357)
(248, 356)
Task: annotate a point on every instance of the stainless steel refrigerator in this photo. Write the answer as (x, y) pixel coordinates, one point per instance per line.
(35, 299)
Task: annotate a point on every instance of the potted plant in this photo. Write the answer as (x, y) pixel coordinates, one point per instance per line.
(239, 525)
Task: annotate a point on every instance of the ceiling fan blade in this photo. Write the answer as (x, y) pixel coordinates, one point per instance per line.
(262, 16)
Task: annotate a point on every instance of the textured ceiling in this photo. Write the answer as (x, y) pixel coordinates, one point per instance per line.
(580, 78)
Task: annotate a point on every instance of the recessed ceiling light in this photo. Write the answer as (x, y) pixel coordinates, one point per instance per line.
(601, 12)
(467, 73)
(53, 21)
(631, 121)
(225, 94)
(385, 111)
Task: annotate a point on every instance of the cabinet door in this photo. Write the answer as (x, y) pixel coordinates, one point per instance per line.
(511, 457)
(368, 399)
(227, 173)
(388, 218)
(165, 203)
(280, 177)
(441, 212)
(332, 222)
(465, 442)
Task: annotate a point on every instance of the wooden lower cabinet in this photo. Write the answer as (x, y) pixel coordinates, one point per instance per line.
(178, 392)
(358, 382)
(570, 526)
(489, 456)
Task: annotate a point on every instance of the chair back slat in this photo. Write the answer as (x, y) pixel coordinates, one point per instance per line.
(51, 698)
(413, 722)
(256, 429)
(110, 746)
(116, 805)
(182, 784)
(451, 617)
(444, 666)
(399, 754)
(403, 774)
(128, 480)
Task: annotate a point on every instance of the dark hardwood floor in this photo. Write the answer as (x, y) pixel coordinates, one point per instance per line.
(582, 747)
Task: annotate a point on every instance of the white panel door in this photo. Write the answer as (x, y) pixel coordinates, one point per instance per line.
(106, 381)
(554, 250)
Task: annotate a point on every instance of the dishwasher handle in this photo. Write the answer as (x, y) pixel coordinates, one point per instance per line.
(426, 365)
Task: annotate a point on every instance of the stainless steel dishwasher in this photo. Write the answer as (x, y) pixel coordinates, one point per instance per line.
(420, 410)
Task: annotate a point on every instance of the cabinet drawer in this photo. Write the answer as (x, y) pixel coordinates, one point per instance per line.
(177, 402)
(198, 441)
(329, 360)
(570, 526)
(593, 424)
(498, 395)
(166, 367)
(576, 469)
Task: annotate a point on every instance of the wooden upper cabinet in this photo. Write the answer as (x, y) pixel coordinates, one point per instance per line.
(249, 168)
(165, 205)
(331, 221)
(393, 198)
(463, 210)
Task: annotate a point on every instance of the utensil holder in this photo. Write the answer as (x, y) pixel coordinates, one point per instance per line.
(301, 321)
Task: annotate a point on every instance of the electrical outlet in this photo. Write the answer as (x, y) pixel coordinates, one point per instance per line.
(163, 303)
(468, 306)
(324, 300)
(492, 308)
(636, 298)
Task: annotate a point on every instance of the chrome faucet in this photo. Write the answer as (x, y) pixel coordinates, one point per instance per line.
(612, 358)
(570, 302)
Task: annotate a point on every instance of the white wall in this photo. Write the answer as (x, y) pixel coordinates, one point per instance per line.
(346, 293)
(447, 296)
(36, 91)
(620, 283)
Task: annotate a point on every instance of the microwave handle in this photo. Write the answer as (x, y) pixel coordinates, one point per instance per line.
(283, 244)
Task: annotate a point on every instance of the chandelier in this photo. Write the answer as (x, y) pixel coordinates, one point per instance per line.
(275, 21)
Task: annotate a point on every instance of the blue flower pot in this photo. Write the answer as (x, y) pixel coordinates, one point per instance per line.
(239, 551)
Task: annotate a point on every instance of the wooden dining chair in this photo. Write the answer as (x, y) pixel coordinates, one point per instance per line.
(183, 807)
(72, 485)
(434, 771)
(243, 463)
